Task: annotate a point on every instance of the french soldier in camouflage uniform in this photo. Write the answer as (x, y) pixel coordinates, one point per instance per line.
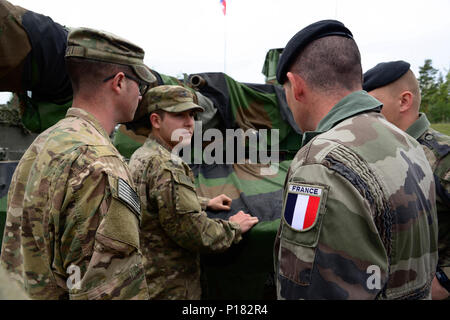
(175, 228)
(359, 216)
(72, 228)
(395, 85)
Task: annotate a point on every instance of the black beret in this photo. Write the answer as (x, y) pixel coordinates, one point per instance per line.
(317, 30)
(384, 73)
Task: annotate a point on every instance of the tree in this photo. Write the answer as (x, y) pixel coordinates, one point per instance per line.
(427, 84)
(435, 91)
(440, 108)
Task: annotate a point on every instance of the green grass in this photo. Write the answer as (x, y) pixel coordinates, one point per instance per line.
(442, 127)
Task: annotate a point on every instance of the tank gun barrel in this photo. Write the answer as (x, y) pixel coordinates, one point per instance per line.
(197, 81)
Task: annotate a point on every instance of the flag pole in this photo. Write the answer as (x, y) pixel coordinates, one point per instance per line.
(224, 43)
(336, 9)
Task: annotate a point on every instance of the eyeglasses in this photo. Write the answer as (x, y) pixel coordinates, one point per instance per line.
(143, 86)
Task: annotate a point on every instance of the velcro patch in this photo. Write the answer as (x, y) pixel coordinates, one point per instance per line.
(129, 197)
(302, 206)
(184, 179)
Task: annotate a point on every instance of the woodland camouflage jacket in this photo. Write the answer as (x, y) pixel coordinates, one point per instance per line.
(369, 197)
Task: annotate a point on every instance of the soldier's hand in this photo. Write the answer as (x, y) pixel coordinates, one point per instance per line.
(245, 220)
(220, 203)
(438, 292)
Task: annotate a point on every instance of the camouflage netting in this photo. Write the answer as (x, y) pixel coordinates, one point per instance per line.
(248, 264)
(12, 128)
(9, 116)
(270, 65)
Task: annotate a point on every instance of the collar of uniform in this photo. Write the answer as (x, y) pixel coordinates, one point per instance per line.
(419, 127)
(83, 114)
(156, 139)
(351, 105)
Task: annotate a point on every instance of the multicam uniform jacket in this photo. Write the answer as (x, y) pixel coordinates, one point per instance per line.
(174, 229)
(72, 228)
(437, 149)
(359, 217)
(9, 289)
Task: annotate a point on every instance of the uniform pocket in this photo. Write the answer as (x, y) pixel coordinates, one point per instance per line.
(295, 261)
(186, 199)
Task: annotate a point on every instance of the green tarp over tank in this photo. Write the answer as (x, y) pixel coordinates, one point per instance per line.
(246, 270)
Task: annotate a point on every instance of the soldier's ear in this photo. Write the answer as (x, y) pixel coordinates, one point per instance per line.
(406, 101)
(297, 84)
(155, 120)
(117, 81)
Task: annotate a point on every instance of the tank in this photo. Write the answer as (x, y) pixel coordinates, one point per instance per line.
(14, 141)
(246, 270)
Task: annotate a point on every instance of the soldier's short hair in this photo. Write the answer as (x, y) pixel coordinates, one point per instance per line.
(325, 55)
(89, 74)
(330, 63)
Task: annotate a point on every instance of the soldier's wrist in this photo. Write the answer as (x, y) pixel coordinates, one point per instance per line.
(238, 231)
(204, 202)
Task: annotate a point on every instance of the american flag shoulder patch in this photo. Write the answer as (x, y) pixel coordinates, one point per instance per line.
(127, 195)
(301, 210)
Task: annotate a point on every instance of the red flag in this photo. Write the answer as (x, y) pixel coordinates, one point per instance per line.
(224, 6)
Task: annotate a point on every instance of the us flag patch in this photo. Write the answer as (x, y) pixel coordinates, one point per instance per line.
(129, 197)
(302, 206)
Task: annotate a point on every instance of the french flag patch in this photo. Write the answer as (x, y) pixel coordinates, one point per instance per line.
(302, 206)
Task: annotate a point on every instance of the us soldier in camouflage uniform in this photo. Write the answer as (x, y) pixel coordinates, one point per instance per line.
(394, 84)
(175, 228)
(72, 228)
(359, 217)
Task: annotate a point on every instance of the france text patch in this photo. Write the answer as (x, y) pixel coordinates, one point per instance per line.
(302, 206)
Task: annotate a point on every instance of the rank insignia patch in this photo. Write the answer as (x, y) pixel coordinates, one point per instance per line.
(302, 206)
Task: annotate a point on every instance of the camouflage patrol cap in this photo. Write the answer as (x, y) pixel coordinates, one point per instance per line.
(106, 47)
(170, 98)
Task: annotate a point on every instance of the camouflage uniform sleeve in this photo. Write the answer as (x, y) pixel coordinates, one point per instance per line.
(101, 247)
(183, 219)
(9, 289)
(442, 176)
(203, 202)
(338, 256)
(442, 179)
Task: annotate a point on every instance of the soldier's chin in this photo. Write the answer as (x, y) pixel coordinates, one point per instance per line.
(185, 140)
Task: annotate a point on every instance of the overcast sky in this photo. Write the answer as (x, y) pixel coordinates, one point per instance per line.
(190, 36)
